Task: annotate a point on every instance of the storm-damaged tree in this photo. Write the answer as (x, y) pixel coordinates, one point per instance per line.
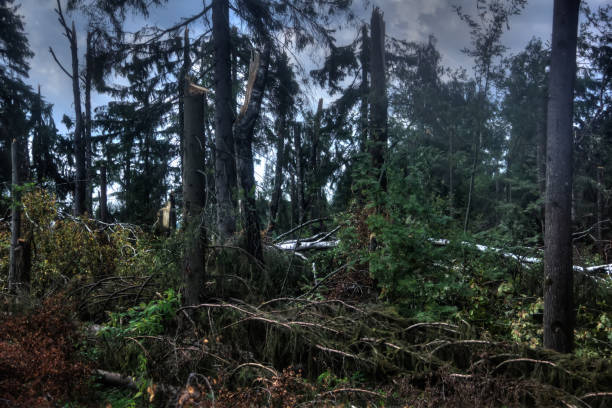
(378, 100)
(244, 128)
(15, 97)
(282, 95)
(194, 193)
(225, 164)
(559, 312)
(80, 178)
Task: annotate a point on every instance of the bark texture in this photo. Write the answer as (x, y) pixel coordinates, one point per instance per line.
(193, 194)
(225, 165)
(243, 132)
(559, 313)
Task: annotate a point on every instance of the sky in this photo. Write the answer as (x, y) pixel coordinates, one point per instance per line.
(411, 20)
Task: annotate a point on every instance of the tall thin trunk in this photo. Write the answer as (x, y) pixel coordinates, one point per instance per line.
(299, 169)
(14, 276)
(559, 315)
(278, 173)
(476, 144)
(193, 194)
(364, 59)
(181, 94)
(225, 165)
(103, 197)
(378, 99)
(314, 184)
(243, 131)
(80, 193)
(87, 136)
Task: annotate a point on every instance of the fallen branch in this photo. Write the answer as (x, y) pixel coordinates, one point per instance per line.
(117, 379)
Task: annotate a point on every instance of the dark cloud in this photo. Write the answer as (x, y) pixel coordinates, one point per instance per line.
(412, 20)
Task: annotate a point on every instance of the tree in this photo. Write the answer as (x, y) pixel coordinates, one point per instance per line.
(80, 156)
(225, 164)
(378, 99)
(559, 312)
(244, 129)
(15, 97)
(194, 193)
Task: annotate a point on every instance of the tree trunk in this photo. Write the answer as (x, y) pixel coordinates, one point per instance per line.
(14, 276)
(80, 183)
(243, 131)
(364, 58)
(278, 173)
(314, 184)
(299, 169)
(87, 136)
(559, 315)
(103, 198)
(193, 194)
(378, 99)
(541, 155)
(225, 165)
(181, 92)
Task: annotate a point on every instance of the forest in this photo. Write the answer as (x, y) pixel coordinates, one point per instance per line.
(278, 203)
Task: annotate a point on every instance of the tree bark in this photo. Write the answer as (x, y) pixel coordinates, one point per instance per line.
(378, 99)
(243, 132)
(87, 136)
(225, 165)
(181, 91)
(559, 315)
(364, 59)
(80, 183)
(193, 194)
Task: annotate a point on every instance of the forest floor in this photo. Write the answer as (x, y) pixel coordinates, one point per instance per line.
(110, 329)
(346, 349)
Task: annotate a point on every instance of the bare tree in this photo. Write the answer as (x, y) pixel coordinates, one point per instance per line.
(378, 98)
(80, 181)
(194, 193)
(559, 312)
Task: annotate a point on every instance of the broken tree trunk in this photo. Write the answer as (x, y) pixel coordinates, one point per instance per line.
(243, 138)
(193, 193)
(225, 163)
(378, 99)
